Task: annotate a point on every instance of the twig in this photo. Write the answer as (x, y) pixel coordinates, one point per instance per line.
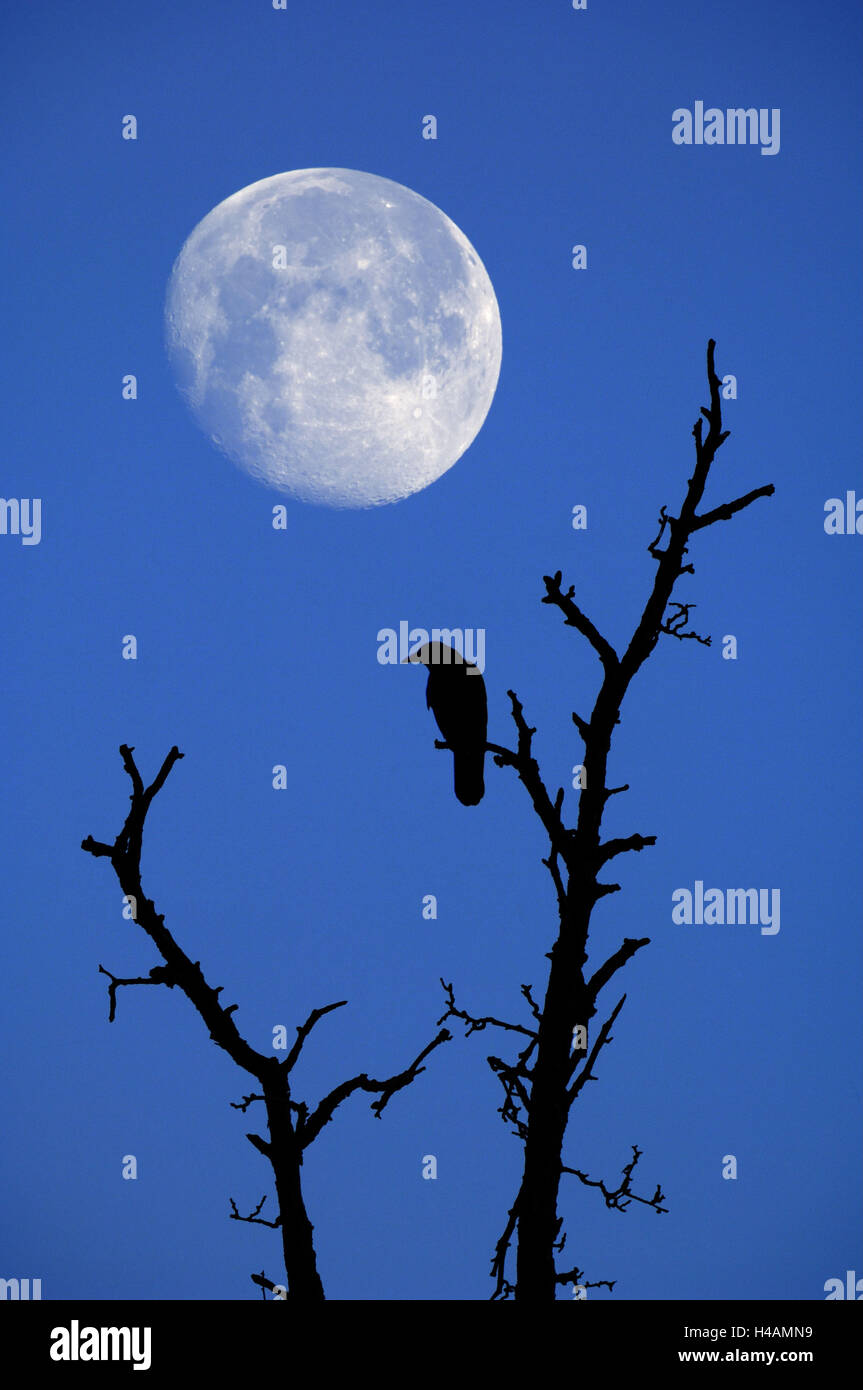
(620, 1198)
(253, 1218)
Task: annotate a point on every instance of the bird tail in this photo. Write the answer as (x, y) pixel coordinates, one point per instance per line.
(468, 765)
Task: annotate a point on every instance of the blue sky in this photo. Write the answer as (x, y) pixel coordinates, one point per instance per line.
(258, 647)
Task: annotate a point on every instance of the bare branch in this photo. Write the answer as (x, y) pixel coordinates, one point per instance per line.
(583, 725)
(534, 1007)
(664, 520)
(324, 1110)
(675, 625)
(575, 618)
(576, 1276)
(603, 1037)
(515, 1095)
(132, 769)
(264, 1283)
(178, 969)
(620, 1198)
(306, 1028)
(632, 842)
(528, 770)
(728, 509)
(601, 977)
(503, 1288)
(159, 780)
(504, 757)
(511, 1077)
(116, 982)
(601, 890)
(551, 863)
(254, 1219)
(96, 848)
(245, 1103)
(258, 1142)
(476, 1025)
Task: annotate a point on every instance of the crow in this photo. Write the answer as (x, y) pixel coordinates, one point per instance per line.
(455, 694)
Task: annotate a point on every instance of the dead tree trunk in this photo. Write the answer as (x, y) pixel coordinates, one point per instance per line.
(547, 1076)
(292, 1126)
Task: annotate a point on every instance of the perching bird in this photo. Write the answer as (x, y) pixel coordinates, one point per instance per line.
(455, 694)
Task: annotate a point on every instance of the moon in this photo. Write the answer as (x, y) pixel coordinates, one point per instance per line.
(335, 335)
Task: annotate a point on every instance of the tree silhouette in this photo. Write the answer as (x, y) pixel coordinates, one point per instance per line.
(542, 1083)
(293, 1125)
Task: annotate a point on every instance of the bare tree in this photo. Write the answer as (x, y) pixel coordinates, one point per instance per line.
(555, 1061)
(292, 1124)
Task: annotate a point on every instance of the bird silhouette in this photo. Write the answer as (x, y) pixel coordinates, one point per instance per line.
(455, 694)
